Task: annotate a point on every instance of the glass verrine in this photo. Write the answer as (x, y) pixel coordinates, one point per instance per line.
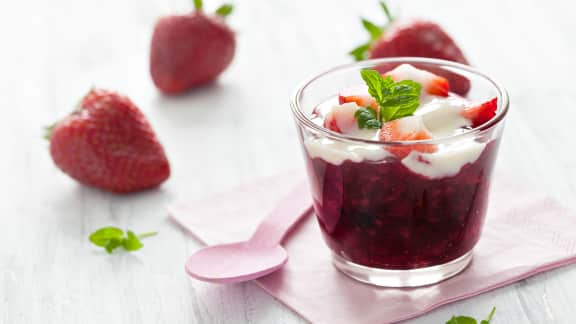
(399, 220)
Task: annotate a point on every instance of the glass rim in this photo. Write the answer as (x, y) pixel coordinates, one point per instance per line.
(501, 110)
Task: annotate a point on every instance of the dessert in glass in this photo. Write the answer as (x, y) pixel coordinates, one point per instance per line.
(399, 166)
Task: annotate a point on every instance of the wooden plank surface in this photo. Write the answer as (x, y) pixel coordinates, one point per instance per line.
(51, 52)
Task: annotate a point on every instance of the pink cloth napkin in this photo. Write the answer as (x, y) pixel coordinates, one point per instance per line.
(525, 234)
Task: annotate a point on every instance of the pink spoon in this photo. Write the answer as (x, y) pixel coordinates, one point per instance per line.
(261, 254)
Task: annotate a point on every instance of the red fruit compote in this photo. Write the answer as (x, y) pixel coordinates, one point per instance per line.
(399, 166)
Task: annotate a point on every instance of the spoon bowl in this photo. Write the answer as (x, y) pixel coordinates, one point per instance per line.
(235, 262)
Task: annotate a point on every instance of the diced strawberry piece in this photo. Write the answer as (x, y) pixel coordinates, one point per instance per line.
(341, 118)
(431, 83)
(482, 113)
(406, 129)
(458, 83)
(330, 122)
(438, 87)
(360, 100)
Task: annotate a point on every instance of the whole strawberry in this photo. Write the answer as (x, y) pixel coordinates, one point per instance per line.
(108, 143)
(419, 38)
(191, 50)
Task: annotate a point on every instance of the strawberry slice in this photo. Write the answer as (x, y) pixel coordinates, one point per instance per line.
(431, 83)
(482, 113)
(330, 122)
(410, 128)
(360, 100)
(341, 118)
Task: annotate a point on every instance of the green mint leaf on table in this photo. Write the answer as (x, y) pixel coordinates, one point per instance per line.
(112, 245)
(395, 99)
(461, 320)
(367, 118)
(131, 242)
(224, 10)
(374, 31)
(487, 321)
(104, 235)
(470, 320)
(111, 238)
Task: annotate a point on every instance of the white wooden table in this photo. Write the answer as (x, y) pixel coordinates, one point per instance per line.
(51, 52)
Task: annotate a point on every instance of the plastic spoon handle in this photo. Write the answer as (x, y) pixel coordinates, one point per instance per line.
(286, 214)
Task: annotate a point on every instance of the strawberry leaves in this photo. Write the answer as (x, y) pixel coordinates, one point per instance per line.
(374, 31)
(224, 10)
(395, 99)
(386, 11)
(361, 52)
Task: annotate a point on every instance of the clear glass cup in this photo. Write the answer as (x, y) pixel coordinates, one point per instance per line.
(391, 221)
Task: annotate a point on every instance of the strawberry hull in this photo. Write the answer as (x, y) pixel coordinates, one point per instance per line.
(383, 215)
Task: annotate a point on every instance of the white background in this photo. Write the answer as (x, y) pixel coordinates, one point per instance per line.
(52, 52)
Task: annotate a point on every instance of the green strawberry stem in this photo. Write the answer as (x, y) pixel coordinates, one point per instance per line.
(48, 131)
(224, 10)
(386, 11)
(198, 4)
(361, 52)
(147, 234)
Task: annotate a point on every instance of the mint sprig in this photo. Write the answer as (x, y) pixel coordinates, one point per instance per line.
(367, 118)
(361, 52)
(395, 99)
(111, 238)
(470, 320)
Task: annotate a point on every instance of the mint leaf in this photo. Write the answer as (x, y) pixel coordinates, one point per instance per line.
(402, 99)
(470, 320)
(367, 118)
(461, 320)
(395, 99)
(374, 31)
(132, 242)
(198, 4)
(224, 10)
(360, 52)
(376, 84)
(113, 244)
(487, 321)
(103, 236)
(111, 238)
